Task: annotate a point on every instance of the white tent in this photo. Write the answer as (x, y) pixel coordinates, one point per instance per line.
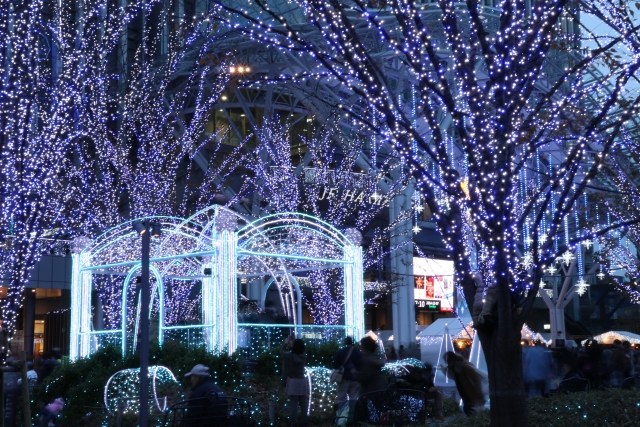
(453, 324)
(436, 340)
(609, 337)
(477, 355)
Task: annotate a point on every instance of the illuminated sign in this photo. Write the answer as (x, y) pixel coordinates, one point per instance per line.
(429, 304)
(355, 196)
(433, 283)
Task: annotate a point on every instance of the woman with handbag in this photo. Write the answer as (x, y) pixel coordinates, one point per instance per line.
(346, 359)
(297, 386)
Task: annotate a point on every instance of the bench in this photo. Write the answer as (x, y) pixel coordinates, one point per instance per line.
(392, 407)
(213, 410)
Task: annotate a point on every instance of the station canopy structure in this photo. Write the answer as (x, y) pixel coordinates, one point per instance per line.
(202, 260)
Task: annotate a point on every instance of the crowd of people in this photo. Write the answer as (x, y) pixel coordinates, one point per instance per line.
(36, 373)
(361, 370)
(602, 366)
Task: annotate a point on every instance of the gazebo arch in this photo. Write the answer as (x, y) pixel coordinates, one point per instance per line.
(207, 250)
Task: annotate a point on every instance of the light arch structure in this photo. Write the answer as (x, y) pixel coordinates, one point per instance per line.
(213, 249)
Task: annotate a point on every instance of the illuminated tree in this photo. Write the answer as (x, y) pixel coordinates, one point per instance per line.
(327, 184)
(88, 138)
(498, 114)
(146, 131)
(46, 59)
(618, 249)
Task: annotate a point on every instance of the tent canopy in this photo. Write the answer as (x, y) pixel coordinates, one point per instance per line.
(609, 337)
(458, 332)
(454, 325)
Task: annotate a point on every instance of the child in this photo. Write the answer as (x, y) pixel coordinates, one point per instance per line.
(50, 412)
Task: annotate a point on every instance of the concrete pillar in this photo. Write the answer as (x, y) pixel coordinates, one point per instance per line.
(403, 309)
(98, 319)
(254, 290)
(29, 320)
(558, 331)
(576, 307)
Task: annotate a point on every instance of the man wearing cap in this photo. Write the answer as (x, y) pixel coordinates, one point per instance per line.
(201, 407)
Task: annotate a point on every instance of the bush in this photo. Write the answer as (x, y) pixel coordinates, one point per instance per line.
(614, 407)
(322, 354)
(269, 362)
(82, 382)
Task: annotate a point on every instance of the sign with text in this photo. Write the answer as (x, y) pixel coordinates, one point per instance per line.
(433, 282)
(428, 304)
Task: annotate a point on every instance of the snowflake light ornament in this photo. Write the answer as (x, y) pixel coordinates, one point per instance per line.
(416, 229)
(587, 243)
(581, 287)
(527, 261)
(567, 257)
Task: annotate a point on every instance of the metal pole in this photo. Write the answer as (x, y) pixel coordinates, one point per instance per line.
(121, 407)
(2, 396)
(29, 320)
(144, 329)
(26, 402)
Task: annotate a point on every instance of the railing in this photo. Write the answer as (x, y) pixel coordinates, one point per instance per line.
(255, 338)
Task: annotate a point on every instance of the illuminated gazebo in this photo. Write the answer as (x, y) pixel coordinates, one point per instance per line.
(202, 259)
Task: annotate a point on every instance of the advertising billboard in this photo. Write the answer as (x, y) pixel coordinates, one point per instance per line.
(433, 284)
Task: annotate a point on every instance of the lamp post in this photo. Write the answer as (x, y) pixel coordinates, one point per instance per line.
(145, 230)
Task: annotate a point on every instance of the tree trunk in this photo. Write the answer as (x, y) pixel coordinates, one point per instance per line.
(503, 353)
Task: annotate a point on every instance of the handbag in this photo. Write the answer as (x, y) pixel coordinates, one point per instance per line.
(336, 374)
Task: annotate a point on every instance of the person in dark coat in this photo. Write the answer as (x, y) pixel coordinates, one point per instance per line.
(205, 404)
(4, 342)
(422, 379)
(468, 381)
(296, 382)
(369, 373)
(47, 365)
(402, 353)
(347, 358)
(391, 356)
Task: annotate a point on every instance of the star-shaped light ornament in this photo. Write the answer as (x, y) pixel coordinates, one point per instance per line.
(527, 261)
(552, 270)
(600, 275)
(416, 229)
(542, 284)
(543, 239)
(528, 241)
(419, 208)
(581, 287)
(587, 243)
(375, 196)
(567, 257)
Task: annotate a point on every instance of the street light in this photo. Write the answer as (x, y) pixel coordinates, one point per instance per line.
(139, 227)
(142, 229)
(156, 229)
